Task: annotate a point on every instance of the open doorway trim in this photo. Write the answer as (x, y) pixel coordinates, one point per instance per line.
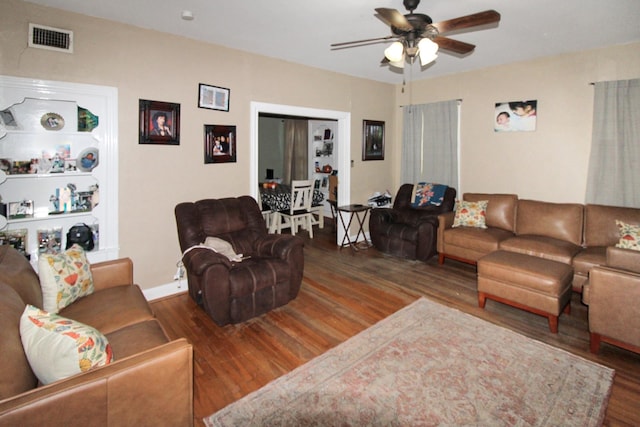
(343, 137)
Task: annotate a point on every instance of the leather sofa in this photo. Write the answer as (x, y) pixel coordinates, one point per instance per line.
(571, 233)
(149, 382)
(269, 276)
(406, 231)
(613, 296)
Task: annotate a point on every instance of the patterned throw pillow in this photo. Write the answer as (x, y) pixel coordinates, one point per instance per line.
(58, 348)
(471, 214)
(64, 278)
(629, 236)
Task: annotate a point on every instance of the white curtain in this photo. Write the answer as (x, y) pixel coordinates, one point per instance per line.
(614, 165)
(296, 150)
(430, 143)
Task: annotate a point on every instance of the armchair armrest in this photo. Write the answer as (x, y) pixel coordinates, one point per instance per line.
(445, 221)
(624, 259)
(113, 273)
(151, 387)
(277, 245)
(198, 260)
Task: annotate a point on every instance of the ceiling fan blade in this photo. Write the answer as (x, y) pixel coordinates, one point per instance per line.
(454, 45)
(394, 18)
(480, 18)
(345, 44)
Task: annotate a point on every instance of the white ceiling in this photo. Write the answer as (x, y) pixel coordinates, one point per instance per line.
(301, 30)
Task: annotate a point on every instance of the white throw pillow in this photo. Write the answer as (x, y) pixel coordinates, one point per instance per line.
(64, 278)
(222, 247)
(57, 347)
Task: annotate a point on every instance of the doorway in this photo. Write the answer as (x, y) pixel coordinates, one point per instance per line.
(344, 136)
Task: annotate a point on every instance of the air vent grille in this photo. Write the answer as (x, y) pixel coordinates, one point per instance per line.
(50, 38)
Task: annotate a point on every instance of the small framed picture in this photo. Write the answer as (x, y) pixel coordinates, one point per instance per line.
(159, 123)
(213, 97)
(219, 144)
(372, 140)
(22, 209)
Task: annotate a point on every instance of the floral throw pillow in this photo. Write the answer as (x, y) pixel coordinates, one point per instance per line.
(64, 278)
(471, 214)
(629, 236)
(58, 348)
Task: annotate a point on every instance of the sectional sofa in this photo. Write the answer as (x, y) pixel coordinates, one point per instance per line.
(570, 233)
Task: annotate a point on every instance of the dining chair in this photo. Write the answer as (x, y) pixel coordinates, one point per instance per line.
(299, 211)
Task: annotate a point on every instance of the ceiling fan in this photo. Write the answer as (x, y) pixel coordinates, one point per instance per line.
(416, 34)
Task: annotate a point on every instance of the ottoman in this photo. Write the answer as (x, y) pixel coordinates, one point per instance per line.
(538, 285)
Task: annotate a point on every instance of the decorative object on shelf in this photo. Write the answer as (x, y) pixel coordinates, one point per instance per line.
(87, 121)
(16, 238)
(82, 235)
(372, 140)
(515, 116)
(50, 240)
(327, 169)
(213, 97)
(219, 144)
(87, 159)
(22, 209)
(159, 123)
(52, 121)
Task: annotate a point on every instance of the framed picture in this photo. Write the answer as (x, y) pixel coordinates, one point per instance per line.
(372, 140)
(22, 209)
(159, 123)
(515, 116)
(213, 97)
(219, 144)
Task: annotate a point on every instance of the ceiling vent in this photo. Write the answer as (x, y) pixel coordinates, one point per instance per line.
(50, 38)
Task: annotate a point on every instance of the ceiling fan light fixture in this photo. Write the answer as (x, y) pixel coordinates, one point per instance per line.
(428, 51)
(398, 64)
(395, 52)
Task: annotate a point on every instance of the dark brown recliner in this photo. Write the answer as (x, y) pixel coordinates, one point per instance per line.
(232, 292)
(406, 231)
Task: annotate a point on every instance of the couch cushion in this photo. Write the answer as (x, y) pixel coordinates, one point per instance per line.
(57, 347)
(136, 338)
(600, 227)
(470, 214)
(542, 247)
(64, 278)
(588, 258)
(483, 240)
(561, 221)
(110, 309)
(16, 375)
(17, 272)
(501, 210)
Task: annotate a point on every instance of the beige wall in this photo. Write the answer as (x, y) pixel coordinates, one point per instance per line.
(548, 164)
(151, 65)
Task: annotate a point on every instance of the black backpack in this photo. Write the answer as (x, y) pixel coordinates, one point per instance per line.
(82, 235)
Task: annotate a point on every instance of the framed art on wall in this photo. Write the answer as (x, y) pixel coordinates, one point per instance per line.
(219, 144)
(515, 116)
(372, 140)
(159, 123)
(213, 97)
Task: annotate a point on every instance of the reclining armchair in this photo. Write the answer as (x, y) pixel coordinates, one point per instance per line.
(268, 276)
(613, 296)
(408, 231)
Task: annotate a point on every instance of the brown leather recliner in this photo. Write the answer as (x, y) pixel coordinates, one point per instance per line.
(269, 276)
(613, 296)
(406, 231)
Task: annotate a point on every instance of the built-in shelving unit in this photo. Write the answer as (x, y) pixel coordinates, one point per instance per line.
(322, 155)
(58, 165)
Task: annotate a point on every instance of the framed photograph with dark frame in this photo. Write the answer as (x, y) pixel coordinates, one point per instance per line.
(219, 144)
(213, 97)
(159, 123)
(372, 140)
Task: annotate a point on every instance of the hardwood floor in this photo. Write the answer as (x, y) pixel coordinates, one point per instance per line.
(344, 293)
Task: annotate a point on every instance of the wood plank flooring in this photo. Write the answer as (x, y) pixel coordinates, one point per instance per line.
(342, 294)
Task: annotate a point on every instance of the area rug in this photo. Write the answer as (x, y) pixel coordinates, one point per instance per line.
(429, 365)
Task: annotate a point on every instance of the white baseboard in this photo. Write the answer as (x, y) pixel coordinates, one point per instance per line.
(161, 291)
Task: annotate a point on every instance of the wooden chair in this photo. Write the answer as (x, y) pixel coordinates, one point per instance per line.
(299, 212)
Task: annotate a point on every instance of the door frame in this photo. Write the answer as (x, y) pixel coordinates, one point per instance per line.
(343, 137)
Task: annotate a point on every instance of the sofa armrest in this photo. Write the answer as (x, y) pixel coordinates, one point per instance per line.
(445, 221)
(154, 387)
(624, 259)
(108, 274)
